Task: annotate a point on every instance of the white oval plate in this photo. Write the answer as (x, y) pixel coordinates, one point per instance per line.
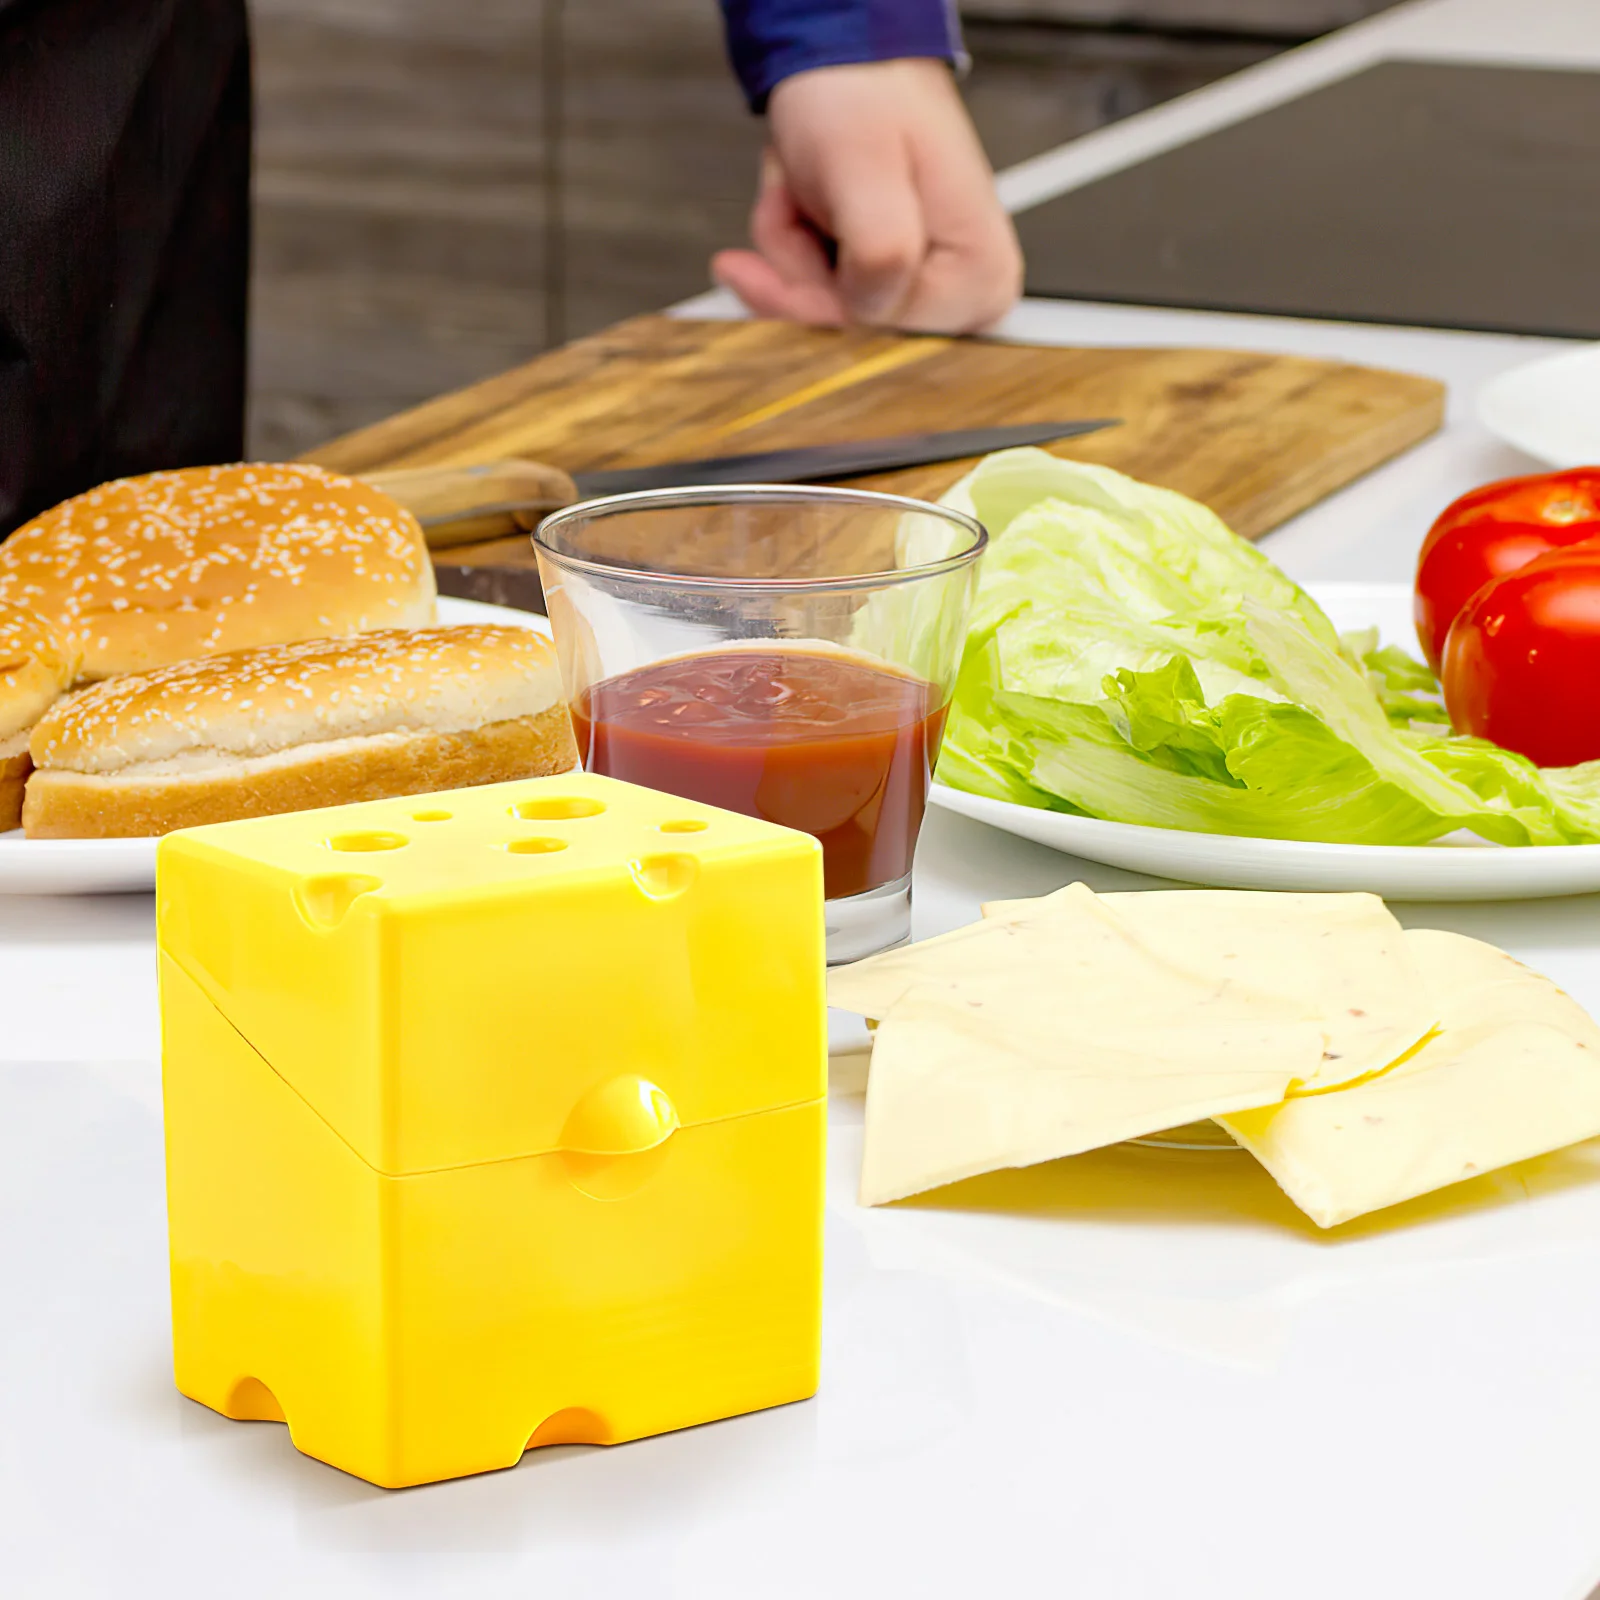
(1451, 870)
(120, 866)
(1549, 409)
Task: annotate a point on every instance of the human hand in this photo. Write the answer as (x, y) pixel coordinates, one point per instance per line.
(876, 205)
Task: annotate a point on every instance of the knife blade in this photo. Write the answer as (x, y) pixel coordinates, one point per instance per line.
(517, 587)
(819, 463)
(513, 580)
(459, 505)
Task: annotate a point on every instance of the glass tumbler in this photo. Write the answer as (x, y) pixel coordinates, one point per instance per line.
(785, 652)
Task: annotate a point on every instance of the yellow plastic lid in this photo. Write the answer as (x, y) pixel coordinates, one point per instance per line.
(560, 963)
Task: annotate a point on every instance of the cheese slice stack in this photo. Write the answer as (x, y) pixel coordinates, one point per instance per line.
(1361, 1064)
(1512, 1071)
(1020, 1045)
(1344, 954)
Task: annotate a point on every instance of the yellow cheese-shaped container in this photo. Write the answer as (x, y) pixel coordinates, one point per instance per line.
(493, 1118)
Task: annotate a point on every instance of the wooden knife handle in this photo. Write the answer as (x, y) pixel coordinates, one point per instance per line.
(448, 501)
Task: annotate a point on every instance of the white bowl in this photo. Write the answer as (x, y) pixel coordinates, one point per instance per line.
(1549, 409)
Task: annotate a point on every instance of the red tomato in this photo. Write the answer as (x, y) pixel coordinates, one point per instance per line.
(1495, 530)
(1522, 662)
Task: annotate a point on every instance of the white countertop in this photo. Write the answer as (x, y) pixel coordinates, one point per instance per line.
(1134, 1374)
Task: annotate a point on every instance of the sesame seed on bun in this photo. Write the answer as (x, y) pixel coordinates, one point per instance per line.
(172, 565)
(289, 727)
(36, 667)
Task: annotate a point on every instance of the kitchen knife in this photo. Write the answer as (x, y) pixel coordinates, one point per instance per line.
(465, 505)
(819, 463)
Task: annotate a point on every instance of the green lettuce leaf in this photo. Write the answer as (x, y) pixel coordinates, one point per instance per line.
(1406, 688)
(1131, 658)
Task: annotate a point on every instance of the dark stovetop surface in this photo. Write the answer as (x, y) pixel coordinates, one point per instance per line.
(1410, 192)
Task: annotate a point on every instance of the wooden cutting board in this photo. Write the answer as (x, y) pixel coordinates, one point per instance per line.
(1256, 437)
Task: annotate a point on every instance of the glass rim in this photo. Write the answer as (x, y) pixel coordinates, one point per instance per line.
(714, 493)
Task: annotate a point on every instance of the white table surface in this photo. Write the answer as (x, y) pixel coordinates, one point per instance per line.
(1132, 1375)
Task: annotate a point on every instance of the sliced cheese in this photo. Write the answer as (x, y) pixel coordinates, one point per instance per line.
(1474, 984)
(1048, 936)
(1512, 1072)
(872, 986)
(1343, 953)
(1026, 1048)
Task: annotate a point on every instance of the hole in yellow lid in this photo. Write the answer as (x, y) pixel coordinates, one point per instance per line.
(324, 900)
(686, 825)
(557, 808)
(374, 840)
(663, 876)
(535, 847)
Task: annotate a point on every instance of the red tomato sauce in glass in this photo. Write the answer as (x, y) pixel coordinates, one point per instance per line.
(825, 743)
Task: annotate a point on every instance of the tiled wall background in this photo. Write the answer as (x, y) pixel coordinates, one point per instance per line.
(413, 232)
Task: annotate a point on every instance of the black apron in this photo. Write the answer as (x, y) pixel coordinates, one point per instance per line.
(124, 241)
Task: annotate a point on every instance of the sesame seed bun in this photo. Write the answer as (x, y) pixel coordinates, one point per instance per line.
(172, 565)
(14, 770)
(36, 667)
(291, 727)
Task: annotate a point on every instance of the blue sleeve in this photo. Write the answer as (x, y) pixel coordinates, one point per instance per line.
(769, 40)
